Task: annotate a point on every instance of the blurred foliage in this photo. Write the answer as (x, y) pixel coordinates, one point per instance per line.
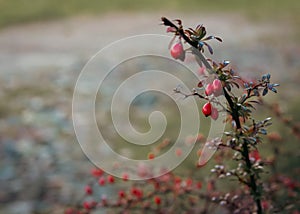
(18, 11)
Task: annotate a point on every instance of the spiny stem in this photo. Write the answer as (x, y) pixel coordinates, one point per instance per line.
(234, 112)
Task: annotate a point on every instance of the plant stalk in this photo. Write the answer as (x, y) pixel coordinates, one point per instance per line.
(234, 114)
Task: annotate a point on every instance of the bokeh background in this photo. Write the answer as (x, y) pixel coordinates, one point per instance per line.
(44, 44)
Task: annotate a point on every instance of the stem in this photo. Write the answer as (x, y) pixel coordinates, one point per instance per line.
(253, 186)
(245, 153)
(234, 113)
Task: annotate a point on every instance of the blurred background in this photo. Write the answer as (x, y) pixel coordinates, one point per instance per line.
(44, 45)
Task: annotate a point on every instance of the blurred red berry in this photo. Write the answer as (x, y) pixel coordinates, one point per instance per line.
(200, 137)
(177, 180)
(288, 182)
(165, 178)
(87, 205)
(178, 152)
(210, 186)
(122, 194)
(274, 136)
(137, 192)
(214, 113)
(88, 190)
(151, 156)
(265, 205)
(199, 185)
(125, 176)
(206, 109)
(101, 181)
(110, 179)
(177, 51)
(201, 70)
(157, 200)
(255, 155)
(189, 182)
(96, 172)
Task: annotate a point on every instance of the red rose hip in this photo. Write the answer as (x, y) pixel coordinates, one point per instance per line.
(206, 109)
(88, 190)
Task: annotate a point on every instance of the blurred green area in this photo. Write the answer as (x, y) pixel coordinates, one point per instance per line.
(18, 11)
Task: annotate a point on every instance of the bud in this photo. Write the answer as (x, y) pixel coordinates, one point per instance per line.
(214, 113)
(177, 51)
(217, 87)
(209, 89)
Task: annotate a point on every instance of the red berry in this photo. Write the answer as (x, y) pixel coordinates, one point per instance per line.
(178, 152)
(137, 192)
(101, 181)
(122, 194)
(265, 205)
(88, 190)
(288, 182)
(97, 172)
(255, 155)
(199, 185)
(217, 87)
(177, 51)
(151, 156)
(206, 109)
(125, 176)
(87, 205)
(201, 70)
(177, 180)
(209, 89)
(110, 179)
(188, 182)
(214, 113)
(164, 178)
(157, 200)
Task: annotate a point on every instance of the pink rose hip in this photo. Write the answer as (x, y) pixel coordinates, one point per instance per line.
(177, 51)
(217, 87)
(209, 89)
(214, 113)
